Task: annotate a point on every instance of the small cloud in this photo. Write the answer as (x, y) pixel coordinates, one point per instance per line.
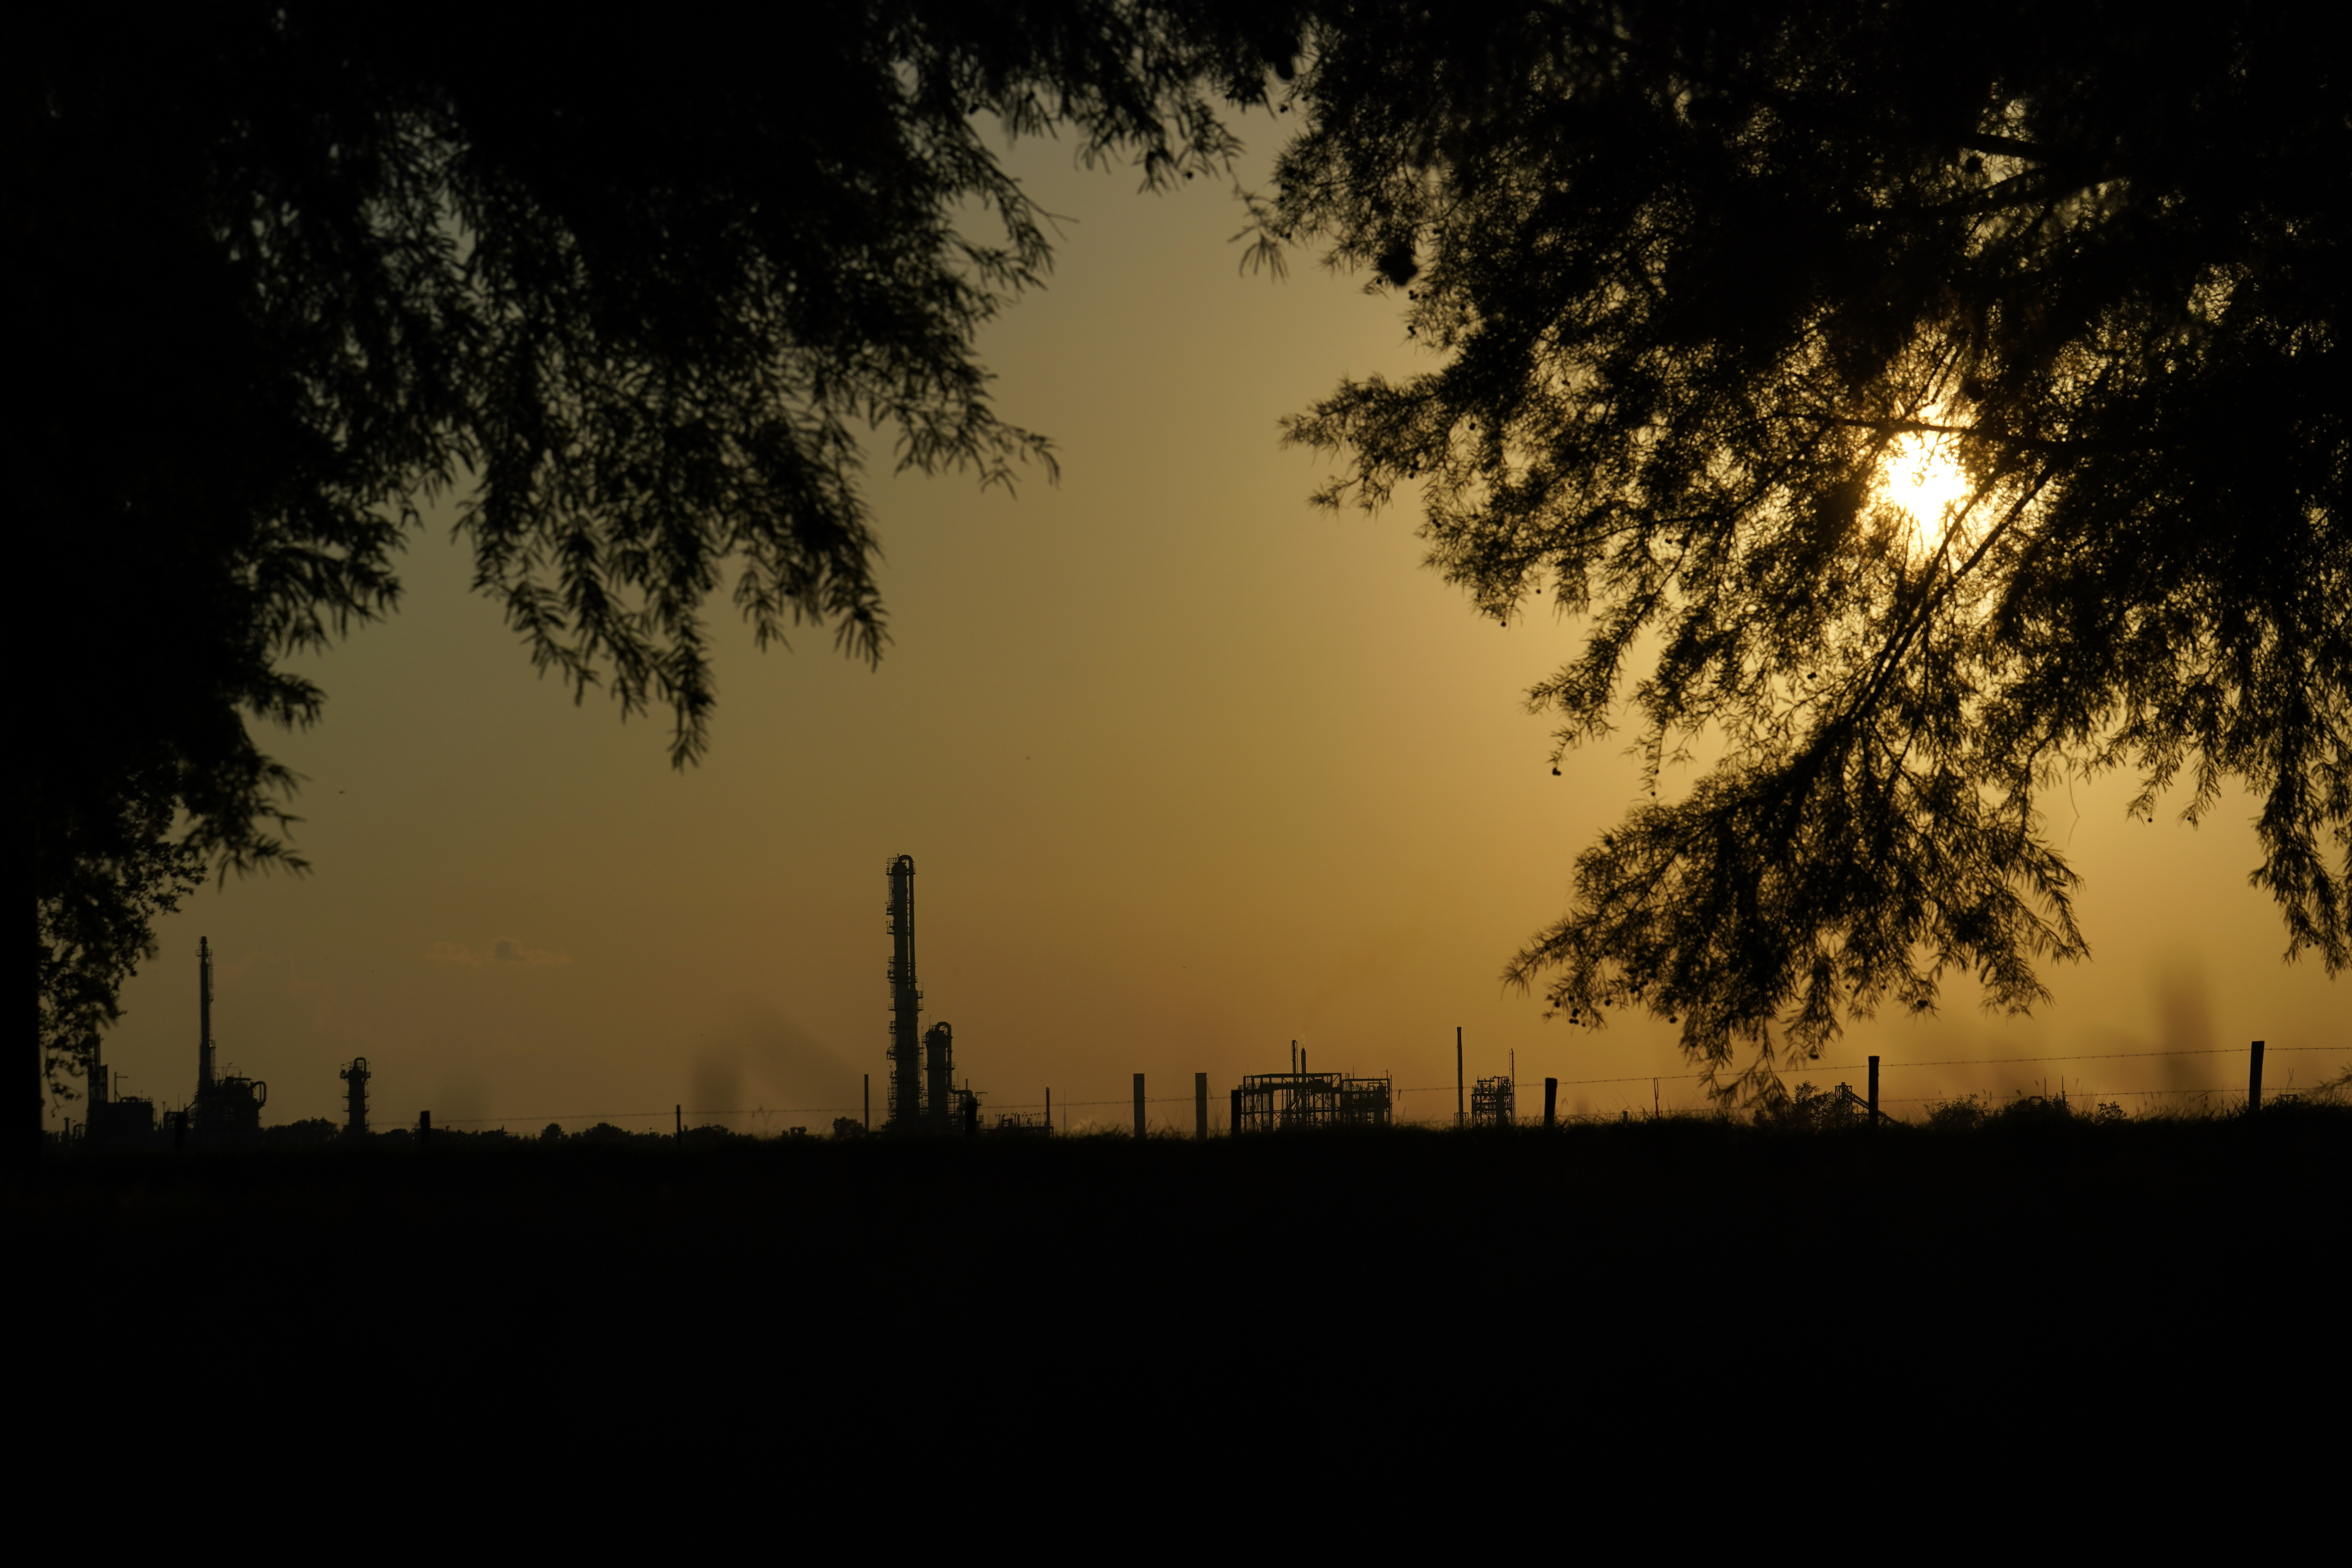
(505, 951)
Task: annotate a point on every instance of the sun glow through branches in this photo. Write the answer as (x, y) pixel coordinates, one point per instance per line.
(1922, 477)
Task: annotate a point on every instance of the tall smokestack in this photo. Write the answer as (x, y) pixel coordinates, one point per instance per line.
(204, 1015)
(906, 999)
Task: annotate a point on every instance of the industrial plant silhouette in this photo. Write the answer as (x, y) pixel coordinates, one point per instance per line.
(922, 1097)
(603, 1249)
(225, 1108)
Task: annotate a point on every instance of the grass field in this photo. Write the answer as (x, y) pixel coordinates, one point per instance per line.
(863, 1263)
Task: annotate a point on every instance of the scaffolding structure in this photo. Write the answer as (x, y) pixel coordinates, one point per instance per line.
(1493, 1102)
(1285, 1101)
(114, 1118)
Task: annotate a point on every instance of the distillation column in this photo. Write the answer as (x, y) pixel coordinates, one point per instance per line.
(355, 1098)
(94, 1081)
(938, 1075)
(906, 1000)
(203, 1019)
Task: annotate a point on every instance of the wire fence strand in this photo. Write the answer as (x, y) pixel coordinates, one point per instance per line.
(767, 1113)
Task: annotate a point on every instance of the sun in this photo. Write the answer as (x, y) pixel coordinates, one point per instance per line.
(1924, 477)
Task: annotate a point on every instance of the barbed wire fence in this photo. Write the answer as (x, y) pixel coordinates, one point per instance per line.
(769, 1117)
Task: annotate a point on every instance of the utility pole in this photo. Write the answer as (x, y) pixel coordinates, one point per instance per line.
(2254, 1079)
(1459, 1103)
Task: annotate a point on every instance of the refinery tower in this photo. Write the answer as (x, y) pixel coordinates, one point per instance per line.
(922, 1062)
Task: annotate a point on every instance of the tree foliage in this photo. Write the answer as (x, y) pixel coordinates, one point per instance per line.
(1700, 275)
(91, 932)
(636, 294)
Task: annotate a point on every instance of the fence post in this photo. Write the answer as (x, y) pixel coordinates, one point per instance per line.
(1200, 1106)
(2254, 1079)
(869, 1101)
(680, 1110)
(1874, 1091)
(1138, 1105)
(423, 1128)
(1459, 1102)
(1235, 1128)
(1552, 1101)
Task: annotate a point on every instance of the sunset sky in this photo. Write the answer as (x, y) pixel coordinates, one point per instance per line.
(1188, 769)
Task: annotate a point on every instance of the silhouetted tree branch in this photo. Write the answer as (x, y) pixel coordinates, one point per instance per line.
(91, 931)
(631, 292)
(1695, 269)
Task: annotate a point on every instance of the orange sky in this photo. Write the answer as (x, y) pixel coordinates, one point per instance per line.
(1188, 771)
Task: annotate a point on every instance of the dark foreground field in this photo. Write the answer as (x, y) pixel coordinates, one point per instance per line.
(817, 1266)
